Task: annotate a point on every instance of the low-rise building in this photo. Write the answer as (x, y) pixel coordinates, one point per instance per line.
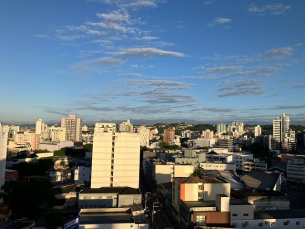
(263, 200)
(218, 166)
(109, 197)
(82, 174)
(52, 146)
(256, 164)
(296, 170)
(196, 189)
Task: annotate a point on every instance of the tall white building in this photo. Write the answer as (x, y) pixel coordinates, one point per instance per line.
(144, 135)
(57, 133)
(281, 130)
(207, 134)
(126, 126)
(73, 127)
(115, 158)
(257, 131)
(38, 126)
(3, 151)
(221, 128)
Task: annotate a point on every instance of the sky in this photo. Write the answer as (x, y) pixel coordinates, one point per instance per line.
(207, 61)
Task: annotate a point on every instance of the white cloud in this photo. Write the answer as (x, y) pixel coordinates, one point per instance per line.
(278, 53)
(147, 38)
(131, 74)
(240, 88)
(208, 3)
(96, 32)
(133, 4)
(274, 9)
(223, 69)
(220, 21)
(115, 16)
(40, 35)
(71, 38)
(259, 71)
(134, 66)
(148, 53)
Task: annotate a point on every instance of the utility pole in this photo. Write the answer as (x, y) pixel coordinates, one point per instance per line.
(153, 214)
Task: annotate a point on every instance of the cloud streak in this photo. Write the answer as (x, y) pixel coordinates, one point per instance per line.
(274, 9)
(240, 88)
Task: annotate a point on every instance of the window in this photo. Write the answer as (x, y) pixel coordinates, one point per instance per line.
(297, 222)
(272, 224)
(200, 220)
(260, 224)
(235, 214)
(245, 214)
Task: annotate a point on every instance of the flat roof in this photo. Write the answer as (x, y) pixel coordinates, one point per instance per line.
(198, 180)
(239, 202)
(194, 204)
(105, 217)
(119, 190)
(284, 214)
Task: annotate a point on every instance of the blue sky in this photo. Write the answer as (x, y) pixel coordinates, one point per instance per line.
(209, 61)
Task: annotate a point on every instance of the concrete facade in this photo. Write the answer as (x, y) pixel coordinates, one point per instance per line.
(82, 174)
(218, 166)
(73, 127)
(115, 160)
(3, 151)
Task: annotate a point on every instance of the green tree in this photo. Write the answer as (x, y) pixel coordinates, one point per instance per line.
(256, 148)
(25, 198)
(53, 219)
(59, 152)
(164, 145)
(198, 172)
(88, 147)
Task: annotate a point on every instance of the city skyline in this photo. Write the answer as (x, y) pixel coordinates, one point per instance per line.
(207, 61)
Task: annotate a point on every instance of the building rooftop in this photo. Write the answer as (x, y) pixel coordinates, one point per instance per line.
(284, 214)
(119, 190)
(279, 165)
(167, 185)
(239, 202)
(244, 193)
(194, 204)
(105, 217)
(260, 180)
(198, 180)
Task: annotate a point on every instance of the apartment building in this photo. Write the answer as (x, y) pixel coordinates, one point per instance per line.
(26, 138)
(126, 126)
(73, 127)
(3, 151)
(256, 164)
(169, 134)
(115, 158)
(296, 170)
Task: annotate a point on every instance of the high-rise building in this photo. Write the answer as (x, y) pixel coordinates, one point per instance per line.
(207, 134)
(144, 135)
(38, 126)
(57, 133)
(3, 152)
(221, 128)
(281, 130)
(169, 134)
(257, 131)
(73, 127)
(26, 138)
(126, 126)
(115, 158)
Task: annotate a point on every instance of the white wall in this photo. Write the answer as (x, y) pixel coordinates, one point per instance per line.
(114, 226)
